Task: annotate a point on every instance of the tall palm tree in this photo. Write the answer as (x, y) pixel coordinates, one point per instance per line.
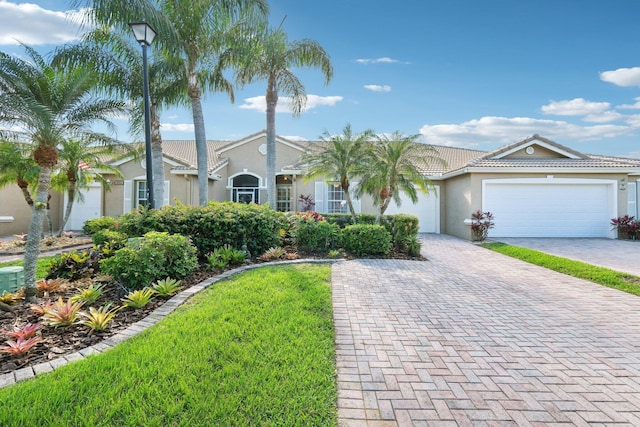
(394, 164)
(17, 167)
(80, 162)
(272, 58)
(339, 157)
(197, 32)
(45, 105)
(117, 61)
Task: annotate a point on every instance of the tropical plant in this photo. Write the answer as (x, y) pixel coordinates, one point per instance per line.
(339, 157)
(394, 166)
(18, 167)
(271, 57)
(139, 298)
(626, 225)
(77, 167)
(273, 254)
(40, 310)
(195, 32)
(166, 287)
(27, 331)
(98, 319)
(62, 313)
(226, 255)
(89, 295)
(12, 297)
(48, 285)
(44, 105)
(19, 346)
(481, 223)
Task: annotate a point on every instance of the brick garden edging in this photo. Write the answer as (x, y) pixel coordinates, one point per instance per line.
(134, 329)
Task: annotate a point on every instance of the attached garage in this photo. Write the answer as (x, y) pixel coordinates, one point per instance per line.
(427, 209)
(88, 208)
(548, 207)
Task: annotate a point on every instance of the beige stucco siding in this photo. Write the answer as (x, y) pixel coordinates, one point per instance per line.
(12, 203)
(458, 206)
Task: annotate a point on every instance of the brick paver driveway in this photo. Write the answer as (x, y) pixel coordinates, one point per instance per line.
(472, 337)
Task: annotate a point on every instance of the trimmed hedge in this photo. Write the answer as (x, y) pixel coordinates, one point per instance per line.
(403, 229)
(317, 236)
(366, 239)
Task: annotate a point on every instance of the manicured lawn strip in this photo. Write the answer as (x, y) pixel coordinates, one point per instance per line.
(41, 269)
(256, 349)
(603, 276)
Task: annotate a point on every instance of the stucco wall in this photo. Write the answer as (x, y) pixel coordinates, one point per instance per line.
(12, 203)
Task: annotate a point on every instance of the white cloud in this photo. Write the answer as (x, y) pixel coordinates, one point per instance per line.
(258, 103)
(378, 88)
(635, 106)
(177, 127)
(382, 60)
(622, 76)
(575, 107)
(33, 25)
(505, 130)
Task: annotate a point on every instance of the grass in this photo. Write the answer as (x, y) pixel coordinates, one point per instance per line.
(603, 276)
(256, 349)
(41, 269)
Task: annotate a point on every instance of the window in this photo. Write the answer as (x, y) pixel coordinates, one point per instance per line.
(283, 189)
(336, 201)
(142, 197)
(245, 189)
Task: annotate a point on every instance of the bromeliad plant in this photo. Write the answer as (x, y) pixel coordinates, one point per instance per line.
(89, 295)
(222, 257)
(98, 319)
(164, 288)
(481, 223)
(62, 313)
(20, 346)
(26, 332)
(139, 298)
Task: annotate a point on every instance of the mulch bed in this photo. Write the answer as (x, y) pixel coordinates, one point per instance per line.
(57, 342)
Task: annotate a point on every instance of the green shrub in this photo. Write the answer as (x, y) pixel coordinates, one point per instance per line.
(156, 256)
(317, 236)
(94, 225)
(344, 219)
(225, 256)
(403, 229)
(114, 239)
(412, 246)
(75, 265)
(365, 239)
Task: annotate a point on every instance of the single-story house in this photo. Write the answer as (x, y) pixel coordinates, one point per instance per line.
(534, 187)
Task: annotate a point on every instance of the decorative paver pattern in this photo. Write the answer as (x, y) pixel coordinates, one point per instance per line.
(472, 337)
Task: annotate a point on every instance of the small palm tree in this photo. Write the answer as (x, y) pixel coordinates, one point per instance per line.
(17, 167)
(393, 167)
(78, 166)
(43, 104)
(271, 57)
(339, 157)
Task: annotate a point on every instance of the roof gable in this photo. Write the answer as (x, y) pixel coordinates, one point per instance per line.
(256, 136)
(534, 147)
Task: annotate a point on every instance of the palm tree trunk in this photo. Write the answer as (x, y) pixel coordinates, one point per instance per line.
(347, 196)
(201, 138)
(71, 195)
(156, 157)
(272, 102)
(32, 248)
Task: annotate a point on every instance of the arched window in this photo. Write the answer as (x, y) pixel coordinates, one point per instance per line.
(245, 189)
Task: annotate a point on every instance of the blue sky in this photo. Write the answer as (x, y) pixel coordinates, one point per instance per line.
(460, 72)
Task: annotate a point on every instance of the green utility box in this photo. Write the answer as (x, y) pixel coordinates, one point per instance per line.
(11, 279)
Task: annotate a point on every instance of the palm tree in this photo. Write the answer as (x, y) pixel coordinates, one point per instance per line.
(271, 57)
(44, 105)
(197, 32)
(17, 167)
(394, 164)
(117, 60)
(339, 157)
(78, 165)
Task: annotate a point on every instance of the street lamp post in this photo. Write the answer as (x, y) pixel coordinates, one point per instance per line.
(144, 34)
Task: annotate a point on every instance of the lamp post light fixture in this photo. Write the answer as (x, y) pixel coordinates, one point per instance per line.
(144, 34)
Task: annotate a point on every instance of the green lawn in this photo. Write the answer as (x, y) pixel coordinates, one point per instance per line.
(613, 279)
(256, 349)
(41, 269)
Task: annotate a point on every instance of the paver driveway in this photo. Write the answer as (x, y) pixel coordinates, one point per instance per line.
(472, 337)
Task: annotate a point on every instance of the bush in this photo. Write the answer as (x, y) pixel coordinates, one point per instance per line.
(156, 256)
(481, 223)
(317, 236)
(365, 239)
(94, 225)
(412, 246)
(75, 265)
(626, 226)
(114, 239)
(222, 257)
(344, 219)
(403, 229)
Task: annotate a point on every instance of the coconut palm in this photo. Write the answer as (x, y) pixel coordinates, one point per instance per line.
(197, 32)
(17, 167)
(271, 57)
(117, 60)
(394, 167)
(339, 157)
(44, 105)
(80, 163)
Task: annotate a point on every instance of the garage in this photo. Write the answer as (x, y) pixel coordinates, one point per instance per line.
(427, 209)
(89, 207)
(548, 207)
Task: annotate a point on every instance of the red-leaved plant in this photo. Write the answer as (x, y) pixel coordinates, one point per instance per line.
(19, 346)
(481, 223)
(627, 227)
(26, 332)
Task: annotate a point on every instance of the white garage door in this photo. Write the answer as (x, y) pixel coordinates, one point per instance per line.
(90, 207)
(550, 207)
(427, 210)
